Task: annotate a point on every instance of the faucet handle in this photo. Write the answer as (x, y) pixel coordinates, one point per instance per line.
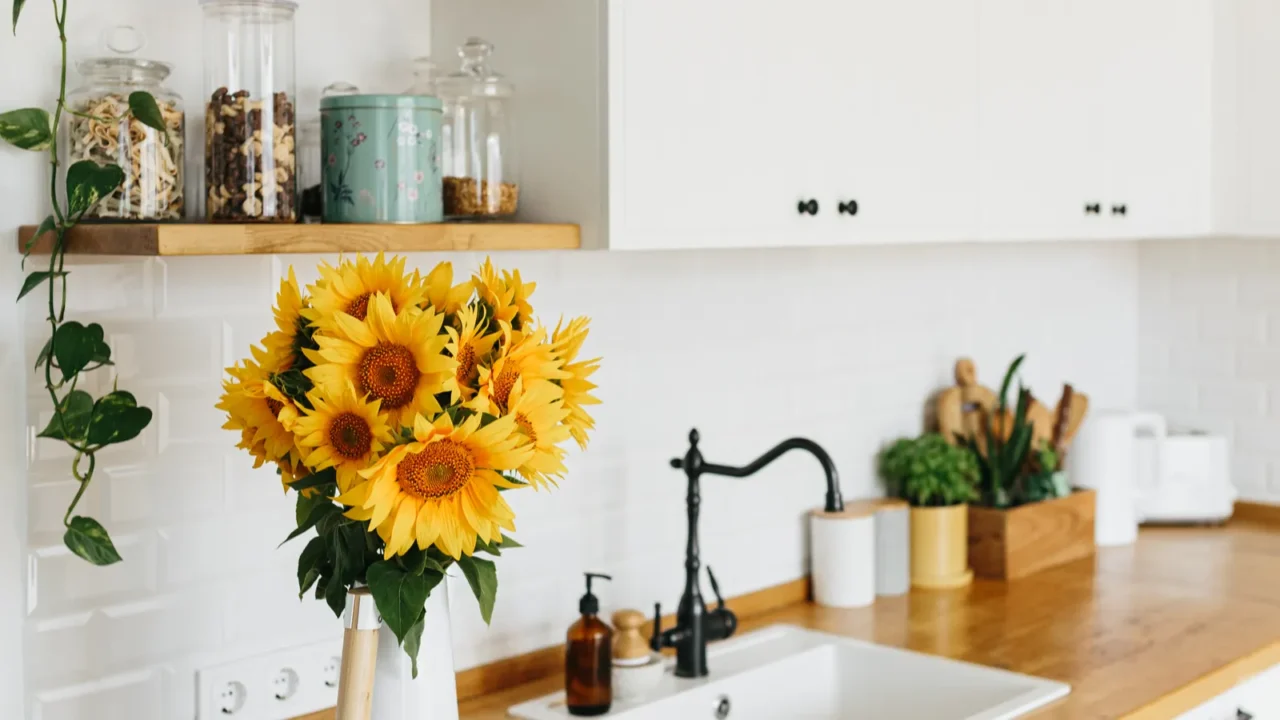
(655, 641)
(715, 589)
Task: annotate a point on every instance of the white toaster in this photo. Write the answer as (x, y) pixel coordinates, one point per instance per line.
(1184, 477)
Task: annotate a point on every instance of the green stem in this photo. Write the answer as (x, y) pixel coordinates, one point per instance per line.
(84, 483)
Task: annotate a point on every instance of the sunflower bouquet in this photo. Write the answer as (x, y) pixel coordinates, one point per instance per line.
(399, 409)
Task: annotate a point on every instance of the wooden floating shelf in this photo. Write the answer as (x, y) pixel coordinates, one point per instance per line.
(267, 239)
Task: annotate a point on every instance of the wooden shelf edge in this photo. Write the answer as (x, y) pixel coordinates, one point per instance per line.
(215, 239)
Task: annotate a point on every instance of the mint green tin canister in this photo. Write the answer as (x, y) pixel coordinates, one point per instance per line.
(381, 159)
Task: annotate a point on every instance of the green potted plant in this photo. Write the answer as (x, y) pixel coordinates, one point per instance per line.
(1028, 518)
(938, 480)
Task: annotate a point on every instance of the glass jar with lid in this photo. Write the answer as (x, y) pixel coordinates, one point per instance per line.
(105, 132)
(478, 159)
(250, 132)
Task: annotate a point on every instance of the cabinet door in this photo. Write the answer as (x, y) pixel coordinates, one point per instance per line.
(1157, 107)
(712, 105)
(1040, 124)
(1256, 175)
(902, 121)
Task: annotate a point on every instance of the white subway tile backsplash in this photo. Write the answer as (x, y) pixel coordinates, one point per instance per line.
(1227, 289)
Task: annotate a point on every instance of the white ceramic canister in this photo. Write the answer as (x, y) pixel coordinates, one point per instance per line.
(843, 551)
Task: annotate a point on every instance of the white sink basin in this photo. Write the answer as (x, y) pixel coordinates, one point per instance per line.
(789, 672)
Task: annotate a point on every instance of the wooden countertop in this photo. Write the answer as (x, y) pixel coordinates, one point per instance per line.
(1147, 631)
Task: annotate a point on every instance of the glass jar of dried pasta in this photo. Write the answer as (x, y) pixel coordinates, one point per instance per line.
(101, 129)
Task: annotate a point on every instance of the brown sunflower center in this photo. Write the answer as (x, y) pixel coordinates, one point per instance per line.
(526, 427)
(466, 366)
(390, 374)
(275, 406)
(359, 308)
(350, 435)
(440, 470)
(502, 386)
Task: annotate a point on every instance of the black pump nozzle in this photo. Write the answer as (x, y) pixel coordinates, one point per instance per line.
(589, 605)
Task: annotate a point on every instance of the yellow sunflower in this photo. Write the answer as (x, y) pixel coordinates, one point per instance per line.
(289, 310)
(539, 414)
(468, 347)
(441, 489)
(443, 295)
(506, 295)
(343, 432)
(523, 355)
(568, 341)
(397, 359)
(261, 413)
(349, 287)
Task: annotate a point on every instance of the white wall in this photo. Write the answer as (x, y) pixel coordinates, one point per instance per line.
(1209, 355)
(842, 345)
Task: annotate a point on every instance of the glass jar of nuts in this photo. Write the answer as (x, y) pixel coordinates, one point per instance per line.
(250, 134)
(477, 158)
(101, 129)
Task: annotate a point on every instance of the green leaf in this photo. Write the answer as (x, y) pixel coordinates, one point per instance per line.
(509, 543)
(88, 539)
(45, 352)
(413, 642)
(416, 562)
(46, 226)
(321, 479)
(88, 183)
(318, 513)
(17, 10)
(75, 346)
(28, 128)
(117, 418)
(335, 593)
(143, 106)
(400, 597)
(1008, 378)
(77, 409)
(310, 560)
(35, 279)
(305, 504)
(482, 576)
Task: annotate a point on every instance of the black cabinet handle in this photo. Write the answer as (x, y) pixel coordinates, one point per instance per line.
(1093, 209)
(848, 208)
(809, 207)
(1119, 209)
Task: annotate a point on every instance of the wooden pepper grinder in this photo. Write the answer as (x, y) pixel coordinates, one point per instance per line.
(629, 645)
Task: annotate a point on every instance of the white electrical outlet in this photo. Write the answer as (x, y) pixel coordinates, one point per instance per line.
(276, 686)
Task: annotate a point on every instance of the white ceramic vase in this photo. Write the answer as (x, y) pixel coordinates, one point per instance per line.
(433, 695)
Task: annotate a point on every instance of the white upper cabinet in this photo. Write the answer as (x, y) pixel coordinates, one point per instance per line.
(661, 124)
(1157, 105)
(1041, 169)
(754, 123)
(1247, 146)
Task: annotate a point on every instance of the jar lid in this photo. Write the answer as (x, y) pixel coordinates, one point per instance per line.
(394, 102)
(124, 40)
(475, 78)
(253, 9)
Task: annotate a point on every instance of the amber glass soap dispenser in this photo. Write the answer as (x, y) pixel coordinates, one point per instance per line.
(588, 660)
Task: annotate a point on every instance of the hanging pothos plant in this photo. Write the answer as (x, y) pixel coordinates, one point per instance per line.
(84, 423)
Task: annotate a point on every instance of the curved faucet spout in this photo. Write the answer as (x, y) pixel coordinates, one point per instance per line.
(694, 464)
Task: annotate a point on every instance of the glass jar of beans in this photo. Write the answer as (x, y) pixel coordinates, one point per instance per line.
(250, 125)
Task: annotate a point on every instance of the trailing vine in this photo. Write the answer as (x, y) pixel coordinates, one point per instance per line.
(84, 423)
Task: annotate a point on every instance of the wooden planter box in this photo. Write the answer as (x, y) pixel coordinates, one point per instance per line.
(1008, 544)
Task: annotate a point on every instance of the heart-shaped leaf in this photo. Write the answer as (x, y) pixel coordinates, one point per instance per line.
(143, 106)
(482, 576)
(88, 183)
(88, 539)
(117, 418)
(35, 279)
(75, 346)
(400, 597)
(71, 423)
(28, 128)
